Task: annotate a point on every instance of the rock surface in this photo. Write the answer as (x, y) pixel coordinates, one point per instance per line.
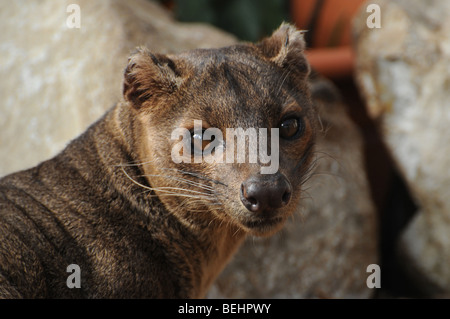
(55, 81)
(403, 70)
(324, 250)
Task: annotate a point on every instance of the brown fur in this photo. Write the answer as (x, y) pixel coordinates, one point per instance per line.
(108, 202)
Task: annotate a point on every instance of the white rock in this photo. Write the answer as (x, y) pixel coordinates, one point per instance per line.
(403, 70)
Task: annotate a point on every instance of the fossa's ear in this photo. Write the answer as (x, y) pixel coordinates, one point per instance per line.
(149, 78)
(285, 48)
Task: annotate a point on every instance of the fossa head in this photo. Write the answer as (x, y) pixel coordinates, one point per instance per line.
(206, 96)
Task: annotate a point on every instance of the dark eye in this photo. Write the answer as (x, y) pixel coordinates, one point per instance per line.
(198, 144)
(291, 128)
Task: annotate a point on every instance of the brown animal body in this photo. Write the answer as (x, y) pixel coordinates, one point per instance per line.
(137, 224)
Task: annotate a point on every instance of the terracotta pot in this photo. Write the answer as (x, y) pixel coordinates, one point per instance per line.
(332, 62)
(329, 33)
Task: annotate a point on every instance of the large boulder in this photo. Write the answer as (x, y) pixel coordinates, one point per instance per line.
(324, 250)
(55, 80)
(403, 71)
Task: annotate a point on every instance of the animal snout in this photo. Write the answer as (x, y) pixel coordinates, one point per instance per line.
(265, 192)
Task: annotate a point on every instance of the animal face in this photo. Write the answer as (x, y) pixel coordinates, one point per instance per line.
(226, 105)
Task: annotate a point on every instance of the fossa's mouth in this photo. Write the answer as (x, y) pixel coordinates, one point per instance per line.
(263, 225)
(264, 222)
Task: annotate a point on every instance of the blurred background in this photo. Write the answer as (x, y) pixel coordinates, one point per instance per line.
(383, 95)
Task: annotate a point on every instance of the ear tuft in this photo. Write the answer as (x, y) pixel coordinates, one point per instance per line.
(285, 48)
(148, 78)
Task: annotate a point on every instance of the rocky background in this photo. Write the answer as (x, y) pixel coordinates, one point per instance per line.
(55, 81)
(403, 72)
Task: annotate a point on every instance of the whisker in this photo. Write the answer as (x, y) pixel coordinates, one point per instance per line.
(236, 232)
(176, 194)
(197, 175)
(192, 199)
(285, 76)
(166, 189)
(187, 181)
(133, 163)
(135, 182)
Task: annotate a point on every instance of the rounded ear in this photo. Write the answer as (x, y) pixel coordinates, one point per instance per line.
(285, 48)
(149, 78)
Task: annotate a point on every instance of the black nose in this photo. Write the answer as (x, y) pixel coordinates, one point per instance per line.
(265, 192)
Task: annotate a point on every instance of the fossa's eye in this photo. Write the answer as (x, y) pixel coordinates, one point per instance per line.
(291, 128)
(198, 144)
